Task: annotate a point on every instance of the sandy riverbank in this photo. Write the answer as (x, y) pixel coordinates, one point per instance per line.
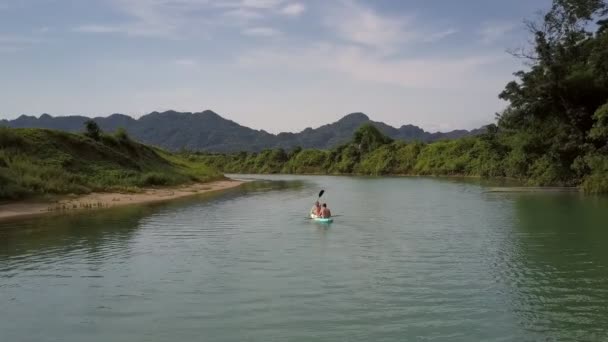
(109, 200)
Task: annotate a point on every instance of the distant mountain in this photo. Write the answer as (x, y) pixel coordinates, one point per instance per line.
(207, 131)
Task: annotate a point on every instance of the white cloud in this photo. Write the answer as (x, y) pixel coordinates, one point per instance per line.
(491, 32)
(261, 32)
(186, 62)
(98, 29)
(180, 19)
(15, 42)
(358, 24)
(18, 39)
(357, 63)
(18, 42)
(437, 36)
(294, 9)
(242, 15)
(263, 4)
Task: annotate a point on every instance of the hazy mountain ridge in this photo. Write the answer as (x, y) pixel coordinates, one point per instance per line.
(208, 131)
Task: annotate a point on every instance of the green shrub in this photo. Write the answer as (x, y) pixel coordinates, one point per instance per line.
(154, 178)
(122, 135)
(92, 129)
(406, 156)
(597, 181)
(380, 161)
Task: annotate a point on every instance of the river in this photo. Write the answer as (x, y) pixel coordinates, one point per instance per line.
(406, 259)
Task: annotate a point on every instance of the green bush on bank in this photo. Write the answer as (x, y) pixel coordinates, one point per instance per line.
(307, 162)
(597, 181)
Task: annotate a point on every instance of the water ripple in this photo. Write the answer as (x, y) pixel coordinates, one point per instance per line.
(417, 259)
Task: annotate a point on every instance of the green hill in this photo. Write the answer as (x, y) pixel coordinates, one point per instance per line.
(208, 131)
(40, 161)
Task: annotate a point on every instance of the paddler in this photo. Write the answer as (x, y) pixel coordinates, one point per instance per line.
(316, 209)
(325, 212)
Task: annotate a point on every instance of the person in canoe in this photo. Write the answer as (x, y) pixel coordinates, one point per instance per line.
(325, 212)
(316, 209)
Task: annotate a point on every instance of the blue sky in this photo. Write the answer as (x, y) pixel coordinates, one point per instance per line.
(278, 65)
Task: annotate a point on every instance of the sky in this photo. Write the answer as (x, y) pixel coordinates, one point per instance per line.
(277, 65)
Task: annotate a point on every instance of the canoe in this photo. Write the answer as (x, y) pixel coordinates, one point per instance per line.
(321, 219)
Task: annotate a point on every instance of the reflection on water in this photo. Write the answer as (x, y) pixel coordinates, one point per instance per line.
(68, 233)
(407, 259)
(560, 272)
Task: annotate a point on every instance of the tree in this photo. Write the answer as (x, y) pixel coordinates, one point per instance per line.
(92, 129)
(368, 138)
(552, 105)
(294, 152)
(599, 132)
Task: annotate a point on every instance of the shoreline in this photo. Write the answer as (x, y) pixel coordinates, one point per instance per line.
(516, 186)
(103, 200)
(534, 189)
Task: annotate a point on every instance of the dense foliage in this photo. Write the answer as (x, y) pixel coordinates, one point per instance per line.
(37, 161)
(372, 153)
(555, 124)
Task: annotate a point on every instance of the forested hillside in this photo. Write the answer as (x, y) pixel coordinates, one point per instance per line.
(208, 131)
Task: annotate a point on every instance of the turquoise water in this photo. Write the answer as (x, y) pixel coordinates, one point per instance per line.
(406, 259)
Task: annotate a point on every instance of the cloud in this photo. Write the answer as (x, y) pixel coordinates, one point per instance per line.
(186, 62)
(361, 25)
(437, 36)
(491, 32)
(17, 42)
(17, 39)
(98, 29)
(242, 14)
(294, 9)
(180, 19)
(357, 63)
(261, 32)
(263, 4)
(355, 23)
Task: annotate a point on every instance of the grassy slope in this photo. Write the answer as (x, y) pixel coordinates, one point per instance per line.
(38, 161)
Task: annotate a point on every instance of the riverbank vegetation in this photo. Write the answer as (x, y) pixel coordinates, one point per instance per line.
(372, 153)
(553, 133)
(39, 161)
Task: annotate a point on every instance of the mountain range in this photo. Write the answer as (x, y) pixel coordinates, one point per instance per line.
(208, 131)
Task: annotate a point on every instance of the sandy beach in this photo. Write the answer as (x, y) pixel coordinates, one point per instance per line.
(109, 200)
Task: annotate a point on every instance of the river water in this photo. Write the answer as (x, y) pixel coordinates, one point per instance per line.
(406, 259)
